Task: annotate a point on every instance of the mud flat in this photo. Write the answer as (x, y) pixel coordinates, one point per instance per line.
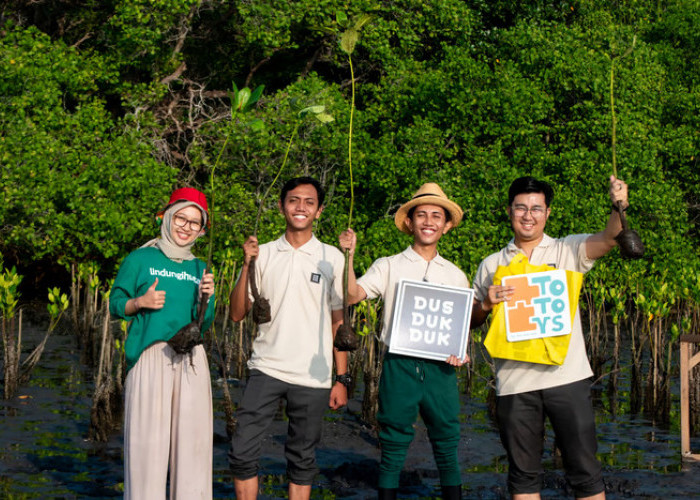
(44, 452)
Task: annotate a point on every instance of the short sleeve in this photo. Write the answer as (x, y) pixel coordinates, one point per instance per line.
(482, 281)
(576, 244)
(376, 280)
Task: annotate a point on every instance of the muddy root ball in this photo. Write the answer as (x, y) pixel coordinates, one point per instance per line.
(346, 339)
(261, 311)
(631, 246)
(186, 338)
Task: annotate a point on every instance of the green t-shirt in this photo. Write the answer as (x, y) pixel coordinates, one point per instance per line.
(180, 281)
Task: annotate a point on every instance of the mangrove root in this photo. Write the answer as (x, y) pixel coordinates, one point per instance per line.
(186, 338)
(345, 338)
(631, 246)
(261, 306)
(190, 335)
(261, 311)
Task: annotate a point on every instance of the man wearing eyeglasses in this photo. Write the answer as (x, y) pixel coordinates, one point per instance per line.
(527, 392)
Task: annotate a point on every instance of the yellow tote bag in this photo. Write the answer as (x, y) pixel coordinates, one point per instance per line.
(548, 350)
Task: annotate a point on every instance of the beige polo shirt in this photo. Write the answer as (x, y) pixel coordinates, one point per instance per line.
(303, 286)
(514, 377)
(382, 279)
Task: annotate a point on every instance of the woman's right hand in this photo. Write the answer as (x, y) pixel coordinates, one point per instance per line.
(152, 299)
(250, 249)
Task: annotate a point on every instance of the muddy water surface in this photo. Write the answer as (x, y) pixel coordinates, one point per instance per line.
(44, 452)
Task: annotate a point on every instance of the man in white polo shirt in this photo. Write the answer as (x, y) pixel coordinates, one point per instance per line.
(293, 354)
(527, 392)
(410, 386)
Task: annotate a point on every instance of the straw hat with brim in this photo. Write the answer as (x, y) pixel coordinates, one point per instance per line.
(428, 194)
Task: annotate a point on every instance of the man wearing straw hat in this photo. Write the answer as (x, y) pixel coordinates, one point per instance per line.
(410, 385)
(526, 392)
(293, 354)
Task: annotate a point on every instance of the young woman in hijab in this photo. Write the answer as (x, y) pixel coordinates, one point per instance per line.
(168, 403)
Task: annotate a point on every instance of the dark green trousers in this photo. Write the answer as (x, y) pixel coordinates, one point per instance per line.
(412, 386)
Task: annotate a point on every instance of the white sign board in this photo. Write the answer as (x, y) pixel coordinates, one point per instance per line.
(431, 321)
(539, 307)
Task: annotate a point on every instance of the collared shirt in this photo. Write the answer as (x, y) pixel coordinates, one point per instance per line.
(303, 286)
(514, 377)
(383, 276)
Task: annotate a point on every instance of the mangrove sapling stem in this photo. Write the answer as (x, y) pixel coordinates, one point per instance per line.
(261, 307)
(345, 338)
(103, 348)
(242, 101)
(106, 401)
(630, 243)
(352, 113)
(74, 295)
(239, 354)
(19, 340)
(267, 191)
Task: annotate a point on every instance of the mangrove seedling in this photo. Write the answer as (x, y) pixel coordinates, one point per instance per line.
(345, 338)
(58, 303)
(190, 335)
(630, 243)
(261, 306)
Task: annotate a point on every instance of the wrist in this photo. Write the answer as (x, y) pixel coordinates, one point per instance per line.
(345, 379)
(137, 306)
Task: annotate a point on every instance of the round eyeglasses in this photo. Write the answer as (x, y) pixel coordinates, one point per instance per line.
(181, 221)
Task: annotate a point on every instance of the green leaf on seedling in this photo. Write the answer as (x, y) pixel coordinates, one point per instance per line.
(362, 21)
(243, 98)
(295, 104)
(324, 117)
(255, 96)
(348, 40)
(341, 18)
(312, 109)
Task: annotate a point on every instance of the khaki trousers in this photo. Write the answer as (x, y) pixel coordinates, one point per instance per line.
(168, 422)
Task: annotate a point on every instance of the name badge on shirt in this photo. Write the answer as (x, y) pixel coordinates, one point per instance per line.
(315, 278)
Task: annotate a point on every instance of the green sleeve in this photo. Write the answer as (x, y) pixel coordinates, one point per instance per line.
(124, 288)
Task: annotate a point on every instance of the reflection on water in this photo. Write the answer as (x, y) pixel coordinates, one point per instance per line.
(44, 452)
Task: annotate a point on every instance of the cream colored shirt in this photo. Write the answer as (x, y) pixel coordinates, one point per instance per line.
(303, 286)
(514, 377)
(383, 276)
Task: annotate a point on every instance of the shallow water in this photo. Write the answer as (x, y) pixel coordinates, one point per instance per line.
(44, 452)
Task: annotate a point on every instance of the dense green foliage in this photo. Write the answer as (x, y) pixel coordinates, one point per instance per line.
(106, 106)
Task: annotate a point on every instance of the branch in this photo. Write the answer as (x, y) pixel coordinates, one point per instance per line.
(310, 63)
(86, 36)
(255, 68)
(184, 29)
(174, 75)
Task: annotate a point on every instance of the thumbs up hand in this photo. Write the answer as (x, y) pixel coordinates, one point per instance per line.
(152, 299)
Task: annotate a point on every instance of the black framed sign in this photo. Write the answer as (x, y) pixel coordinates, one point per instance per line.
(431, 321)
